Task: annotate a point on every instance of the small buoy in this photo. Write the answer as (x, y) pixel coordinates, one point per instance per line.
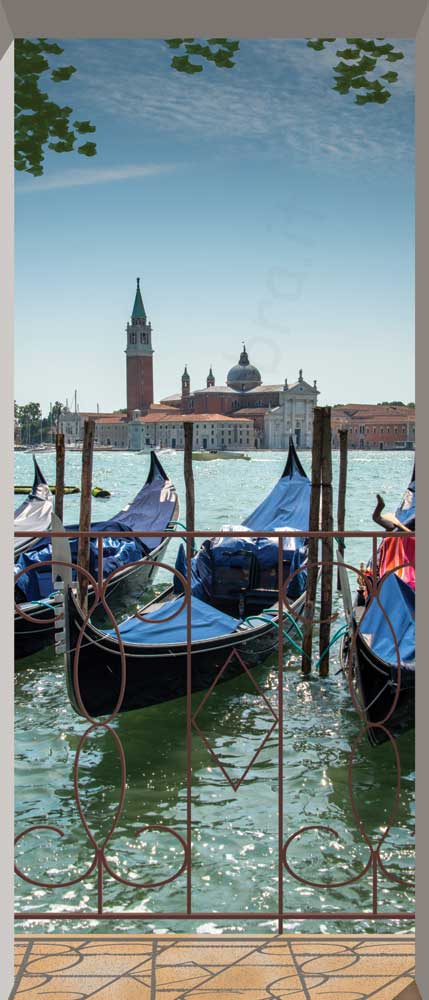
(101, 494)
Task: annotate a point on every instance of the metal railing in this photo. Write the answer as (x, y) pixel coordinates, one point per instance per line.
(287, 611)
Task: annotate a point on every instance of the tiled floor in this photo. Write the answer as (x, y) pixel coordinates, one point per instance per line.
(246, 967)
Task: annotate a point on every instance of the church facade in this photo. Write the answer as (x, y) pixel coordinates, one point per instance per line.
(242, 413)
(275, 410)
(293, 415)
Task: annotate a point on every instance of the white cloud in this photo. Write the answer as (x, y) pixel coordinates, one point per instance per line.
(278, 96)
(94, 175)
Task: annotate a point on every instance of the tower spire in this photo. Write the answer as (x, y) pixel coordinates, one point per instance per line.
(138, 307)
(186, 383)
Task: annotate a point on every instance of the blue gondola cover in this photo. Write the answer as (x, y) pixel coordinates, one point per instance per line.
(207, 623)
(396, 613)
(151, 510)
(223, 564)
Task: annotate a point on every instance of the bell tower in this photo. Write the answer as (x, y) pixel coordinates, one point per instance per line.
(186, 383)
(139, 358)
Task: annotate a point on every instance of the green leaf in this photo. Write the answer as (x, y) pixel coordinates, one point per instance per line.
(361, 81)
(317, 46)
(223, 61)
(83, 127)
(175, 43)
(341, 87)
(88, 149)
(342, 67)
(62, 73)
(182, 64)
(199, 50)
(62, 146)
(391, 77)
(395, 56)
(51, 47)
(225, 43)
(383, 50)
(349, 53)
(366, 64)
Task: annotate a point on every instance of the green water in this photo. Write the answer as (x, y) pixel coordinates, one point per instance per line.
(234, 834)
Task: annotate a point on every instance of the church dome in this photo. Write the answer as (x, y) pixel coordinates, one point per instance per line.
(243, 376)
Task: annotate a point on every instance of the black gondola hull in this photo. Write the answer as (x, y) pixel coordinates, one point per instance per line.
(375, 683)
(154, 674)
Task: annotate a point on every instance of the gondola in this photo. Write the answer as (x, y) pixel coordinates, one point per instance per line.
(381, 669)
(67, 490)
(35, 513)
(154, 508)
(239, 575)
(154, 642)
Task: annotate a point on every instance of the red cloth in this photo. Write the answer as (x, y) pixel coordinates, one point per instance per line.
(398, 552)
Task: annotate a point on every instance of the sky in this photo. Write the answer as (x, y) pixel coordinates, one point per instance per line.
(254, 204)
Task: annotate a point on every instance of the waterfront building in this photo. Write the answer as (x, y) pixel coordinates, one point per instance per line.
(212, 431)
(377, 427)
(111, 429)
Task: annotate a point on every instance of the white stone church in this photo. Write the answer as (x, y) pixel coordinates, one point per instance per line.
(293, 415)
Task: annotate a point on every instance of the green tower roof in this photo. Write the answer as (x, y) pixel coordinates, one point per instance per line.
(138, 307)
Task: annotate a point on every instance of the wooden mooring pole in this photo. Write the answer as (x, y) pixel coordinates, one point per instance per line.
(188, 433)
(85, 509)
(59, 475)
(342, 487)
(327, 544)
(312, 572)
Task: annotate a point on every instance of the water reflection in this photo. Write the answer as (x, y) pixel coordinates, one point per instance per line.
(235, 835)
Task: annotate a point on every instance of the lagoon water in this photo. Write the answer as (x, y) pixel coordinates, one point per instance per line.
(235, 834)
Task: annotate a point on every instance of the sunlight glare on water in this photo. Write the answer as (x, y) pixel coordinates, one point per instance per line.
(235, 845)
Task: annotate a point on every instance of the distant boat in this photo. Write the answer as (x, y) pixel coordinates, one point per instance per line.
(155, 508)
(53, 489)
(208, 456)
(99, 493)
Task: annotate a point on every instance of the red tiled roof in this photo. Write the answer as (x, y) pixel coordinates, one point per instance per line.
(112, 418)
(156, 407)
(359, 409)
(386, 416)
(193, 418)
(87, 413)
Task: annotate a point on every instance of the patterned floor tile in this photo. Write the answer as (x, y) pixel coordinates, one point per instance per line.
(183, 967)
